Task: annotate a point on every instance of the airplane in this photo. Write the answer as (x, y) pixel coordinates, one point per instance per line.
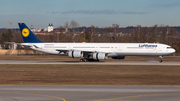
(94, 51)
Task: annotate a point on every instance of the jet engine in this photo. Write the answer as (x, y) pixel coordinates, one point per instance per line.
(99, 56)
(119, 57)
(75, 54)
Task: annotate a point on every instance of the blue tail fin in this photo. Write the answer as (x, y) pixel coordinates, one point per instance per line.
(27, 35)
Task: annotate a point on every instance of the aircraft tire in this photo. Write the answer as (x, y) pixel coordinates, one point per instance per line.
(85, 60)
(81, 60)
(160, 60)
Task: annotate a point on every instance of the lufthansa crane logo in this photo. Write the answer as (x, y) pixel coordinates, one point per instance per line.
(25, 32)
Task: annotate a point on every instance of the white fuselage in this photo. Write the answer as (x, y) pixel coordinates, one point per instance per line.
(112, 49)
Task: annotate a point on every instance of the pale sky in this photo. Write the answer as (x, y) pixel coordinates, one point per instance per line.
(100, 13)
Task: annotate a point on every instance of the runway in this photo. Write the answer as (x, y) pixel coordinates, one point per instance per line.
(88, 63)
(89, 93)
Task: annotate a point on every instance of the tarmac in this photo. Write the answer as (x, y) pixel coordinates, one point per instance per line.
(89, 93)
(89, 63)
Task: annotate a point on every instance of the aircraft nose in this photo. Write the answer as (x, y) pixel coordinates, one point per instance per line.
(173, 50)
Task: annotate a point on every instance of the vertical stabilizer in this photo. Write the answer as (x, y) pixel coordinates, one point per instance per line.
(27, 34)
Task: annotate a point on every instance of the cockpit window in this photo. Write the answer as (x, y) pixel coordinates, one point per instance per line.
(169, 48)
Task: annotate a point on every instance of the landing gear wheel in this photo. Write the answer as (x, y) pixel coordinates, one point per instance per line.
(160, 60)
(83, 60)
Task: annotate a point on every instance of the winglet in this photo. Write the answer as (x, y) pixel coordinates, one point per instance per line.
(27, 34)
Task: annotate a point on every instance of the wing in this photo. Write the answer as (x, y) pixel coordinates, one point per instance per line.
(86, 51)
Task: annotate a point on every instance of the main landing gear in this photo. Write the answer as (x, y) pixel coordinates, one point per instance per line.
(84, 60)
(88, 60)
(160, 58)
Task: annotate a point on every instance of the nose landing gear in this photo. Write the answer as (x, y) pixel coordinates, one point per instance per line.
(160, 58)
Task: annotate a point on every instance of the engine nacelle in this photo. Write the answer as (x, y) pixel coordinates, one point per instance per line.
(99, 56)
(75, 54)
(119, 57)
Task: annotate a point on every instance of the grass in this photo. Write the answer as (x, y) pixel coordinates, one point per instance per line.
(89, 75)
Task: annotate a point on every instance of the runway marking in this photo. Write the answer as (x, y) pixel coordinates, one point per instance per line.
(36, 95)
(131, 97)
